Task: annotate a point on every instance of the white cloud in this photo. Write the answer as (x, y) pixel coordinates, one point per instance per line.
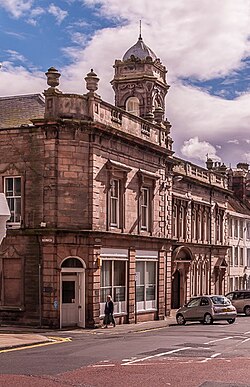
(15, 56)
(57, 12)
(235, 141)
(202, 39)
(18, 80)
(199, 150)
(16, 8)
(34, 15)
(247, 157)
(78, 38)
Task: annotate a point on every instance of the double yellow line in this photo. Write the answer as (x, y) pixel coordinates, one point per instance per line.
(54, 340)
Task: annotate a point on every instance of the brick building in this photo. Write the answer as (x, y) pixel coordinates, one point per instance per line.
(99, 204)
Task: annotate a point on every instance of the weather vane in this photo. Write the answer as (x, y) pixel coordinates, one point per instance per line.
(140, 31)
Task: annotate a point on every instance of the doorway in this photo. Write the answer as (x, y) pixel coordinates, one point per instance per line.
(72, 305)
(176, 290)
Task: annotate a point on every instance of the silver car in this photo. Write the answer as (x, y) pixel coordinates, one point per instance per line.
(207, 309)
(241, 300)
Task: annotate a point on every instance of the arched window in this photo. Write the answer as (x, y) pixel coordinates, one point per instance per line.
(133, 106)
(72, 262)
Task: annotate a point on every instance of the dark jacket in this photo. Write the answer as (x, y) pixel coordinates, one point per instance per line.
(109, 307)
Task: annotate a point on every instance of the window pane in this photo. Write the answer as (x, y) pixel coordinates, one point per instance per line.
(68, 292)
(17, 186)
(119, 294)
(150, 272)
(119, 273)
(17, 210)
(140, 273)
(106, 277)
(9, 186)
(139, 293)
(104, 293)
(150, 292)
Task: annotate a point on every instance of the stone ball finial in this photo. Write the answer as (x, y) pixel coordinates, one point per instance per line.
(53, 76)
(149, 116)
(92, 81)
(158, 114)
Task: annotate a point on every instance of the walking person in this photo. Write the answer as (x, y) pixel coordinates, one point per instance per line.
(108, 311)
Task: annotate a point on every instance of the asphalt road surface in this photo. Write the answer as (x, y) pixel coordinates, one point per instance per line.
(193, 355)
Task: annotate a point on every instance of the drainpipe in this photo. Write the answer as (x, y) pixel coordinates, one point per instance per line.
(39, 282)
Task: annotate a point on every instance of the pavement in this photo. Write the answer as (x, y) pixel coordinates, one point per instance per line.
(12, 337)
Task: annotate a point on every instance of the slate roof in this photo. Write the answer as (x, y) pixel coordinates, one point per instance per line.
(237, 205)
(20, 110)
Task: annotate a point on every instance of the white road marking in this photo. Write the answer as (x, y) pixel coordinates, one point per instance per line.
(210, 358)
(157, 355)
(244, 341)
(102, 365)
(214, 341)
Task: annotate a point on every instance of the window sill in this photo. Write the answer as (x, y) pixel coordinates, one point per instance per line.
(144, 311)
(115, 314)
(12, 308)
(13, 226)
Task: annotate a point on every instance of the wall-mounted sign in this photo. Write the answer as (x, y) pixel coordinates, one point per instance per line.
(48, 239)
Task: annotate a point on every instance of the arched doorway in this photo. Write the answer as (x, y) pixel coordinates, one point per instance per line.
(181, 262)
(72, 285)
(176, 290)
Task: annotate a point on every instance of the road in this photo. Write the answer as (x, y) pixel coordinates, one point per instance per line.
(193, 355)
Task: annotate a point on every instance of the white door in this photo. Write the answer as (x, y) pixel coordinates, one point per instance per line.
(70, 300)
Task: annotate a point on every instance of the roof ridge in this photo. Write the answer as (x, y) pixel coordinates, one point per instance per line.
(23, 96)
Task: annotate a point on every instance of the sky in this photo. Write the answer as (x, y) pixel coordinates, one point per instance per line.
(205, 45)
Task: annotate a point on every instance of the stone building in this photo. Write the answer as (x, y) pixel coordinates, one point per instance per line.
(99, 204)
(199, 233)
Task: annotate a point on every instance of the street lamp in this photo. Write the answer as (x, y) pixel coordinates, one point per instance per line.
(4, 216)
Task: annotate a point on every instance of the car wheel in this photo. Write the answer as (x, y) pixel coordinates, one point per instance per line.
(231, 320)
(208, 319)
(180, 319)
(247, 310)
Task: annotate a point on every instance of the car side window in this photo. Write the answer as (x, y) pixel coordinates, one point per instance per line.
(204, 302)
(193, 303)
(230, 296)
(247, 295)
(238, 296)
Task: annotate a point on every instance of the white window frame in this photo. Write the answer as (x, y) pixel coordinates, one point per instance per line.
(236, 228)
(120, 307)
(230, 227)
(248, 230)
(175, 222)
(248, 258)
(115, 200)
(151, 305)
(241, 256)
(145, 207)
(236, 256)
(12, 221)
(133, 106)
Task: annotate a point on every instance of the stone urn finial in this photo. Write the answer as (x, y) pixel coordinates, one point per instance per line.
(53, 76)
(158, 114)
(92, 81)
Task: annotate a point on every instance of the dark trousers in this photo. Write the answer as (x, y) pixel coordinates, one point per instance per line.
(109, 319)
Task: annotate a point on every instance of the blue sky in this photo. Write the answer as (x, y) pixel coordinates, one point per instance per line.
(204, 44)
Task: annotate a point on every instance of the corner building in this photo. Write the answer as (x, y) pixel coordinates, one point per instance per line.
(99, 205)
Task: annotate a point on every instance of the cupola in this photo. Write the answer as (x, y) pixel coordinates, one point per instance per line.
(139, 83)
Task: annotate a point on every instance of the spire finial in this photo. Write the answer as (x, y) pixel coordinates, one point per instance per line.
(140, 38)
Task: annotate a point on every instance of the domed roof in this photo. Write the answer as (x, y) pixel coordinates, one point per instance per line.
(139, 50)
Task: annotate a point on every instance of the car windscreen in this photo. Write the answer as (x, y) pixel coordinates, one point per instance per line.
(221, 300)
